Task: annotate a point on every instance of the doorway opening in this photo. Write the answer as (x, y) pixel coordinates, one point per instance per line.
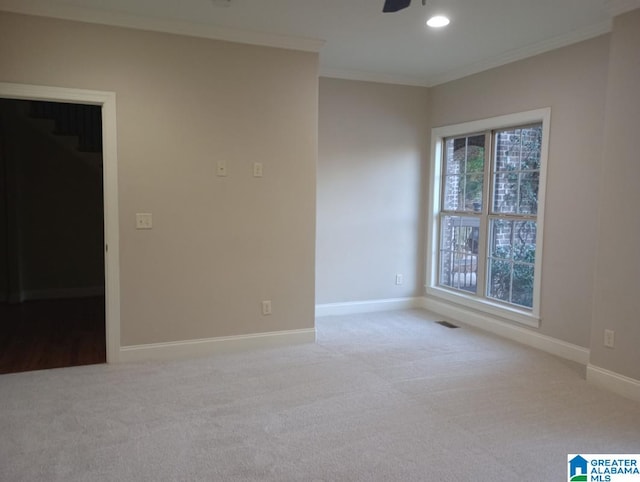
(59, 260)
(51, 235)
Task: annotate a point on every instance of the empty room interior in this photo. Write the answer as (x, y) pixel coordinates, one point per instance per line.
(297, 240)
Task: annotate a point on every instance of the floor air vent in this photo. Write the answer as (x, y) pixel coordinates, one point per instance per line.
(447, 324)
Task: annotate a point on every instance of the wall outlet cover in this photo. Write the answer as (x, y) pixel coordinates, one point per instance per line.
(144, 221)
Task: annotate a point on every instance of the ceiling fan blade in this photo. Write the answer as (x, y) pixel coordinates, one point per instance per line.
(395, 5)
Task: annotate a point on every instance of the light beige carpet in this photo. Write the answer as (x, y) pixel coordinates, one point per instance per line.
(379, 397)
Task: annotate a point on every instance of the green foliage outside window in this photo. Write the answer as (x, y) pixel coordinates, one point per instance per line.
(512, 281)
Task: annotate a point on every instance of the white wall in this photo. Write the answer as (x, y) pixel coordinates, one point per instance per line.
(373, 149)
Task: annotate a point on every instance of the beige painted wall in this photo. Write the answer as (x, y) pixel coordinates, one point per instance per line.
(617, 282)
(219, 245)
(372, 149)
(572, 81)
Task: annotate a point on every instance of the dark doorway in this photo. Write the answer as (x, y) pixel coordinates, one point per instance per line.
(52, 304)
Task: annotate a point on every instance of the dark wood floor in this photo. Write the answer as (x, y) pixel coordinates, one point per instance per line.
(36, 335)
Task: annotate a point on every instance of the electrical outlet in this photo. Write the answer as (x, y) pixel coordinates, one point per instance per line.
(266, 307)
(257, 169)
(399, 279)
(609, 338)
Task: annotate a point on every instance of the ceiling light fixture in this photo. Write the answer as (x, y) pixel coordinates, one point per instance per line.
(438, 21)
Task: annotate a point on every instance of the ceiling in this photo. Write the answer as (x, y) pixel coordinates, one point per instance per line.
(355, 39)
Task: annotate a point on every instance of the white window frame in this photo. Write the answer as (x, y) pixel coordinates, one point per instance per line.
(469, 300)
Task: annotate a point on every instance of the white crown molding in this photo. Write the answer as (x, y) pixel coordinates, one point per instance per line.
(618, 7)
(372, 77)
(523, 53)
(44, 9)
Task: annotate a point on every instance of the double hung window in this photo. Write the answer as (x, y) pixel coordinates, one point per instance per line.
(486, 214)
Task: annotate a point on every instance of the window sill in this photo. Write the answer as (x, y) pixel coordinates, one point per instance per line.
(487, 307)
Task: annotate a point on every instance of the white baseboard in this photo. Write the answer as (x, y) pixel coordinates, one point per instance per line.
(545, 343)
(367, 306)
(207, 346)
(614, 382)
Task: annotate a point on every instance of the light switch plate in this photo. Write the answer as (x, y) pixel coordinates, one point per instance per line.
(144, 221)
(221, 168)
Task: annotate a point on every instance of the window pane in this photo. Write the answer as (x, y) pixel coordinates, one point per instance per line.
(446, 268)
(454, 193)
(449, 228)
(475, 154)
(517, 170)
(507, 150)
(511, 261)
(529, 193)
(522, 289)
(501, 238)
(531, 148)
(505, 193)
(452, 163)
(499, 279)
(524, 241)
(464, 173)
(473, 192)
(459, 252)
(465, 274)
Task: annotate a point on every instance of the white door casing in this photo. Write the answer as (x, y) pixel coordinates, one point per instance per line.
(110, 190)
